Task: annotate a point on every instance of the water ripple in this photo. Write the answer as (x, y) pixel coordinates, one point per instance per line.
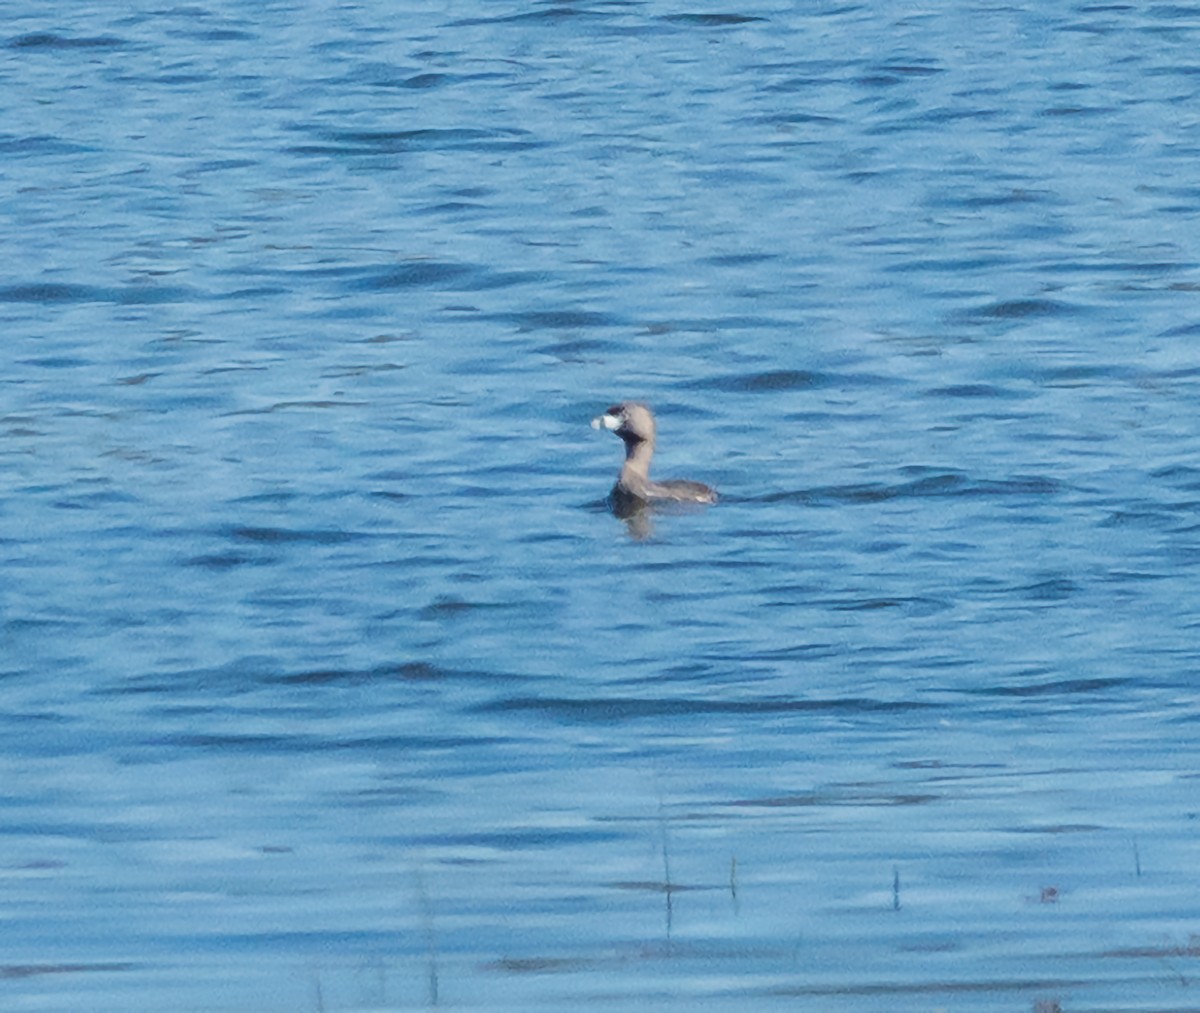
(52, 293)
(938, 484)
(54, 41)
(428, 139)
(605, 709)
(1020, 309)
(770, 381)
(712, 20)
(1059, 687)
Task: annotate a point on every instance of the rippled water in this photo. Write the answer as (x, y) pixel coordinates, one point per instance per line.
(327, 681)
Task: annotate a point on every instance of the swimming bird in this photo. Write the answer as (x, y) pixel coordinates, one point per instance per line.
(634, 491)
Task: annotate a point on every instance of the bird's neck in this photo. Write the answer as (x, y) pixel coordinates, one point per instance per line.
(637, 457)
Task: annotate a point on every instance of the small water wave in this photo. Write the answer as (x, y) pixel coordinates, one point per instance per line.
(771, 380)
(408, 671)
(738, 259)
(1052, 589)
(298, 743)
(447, 608)
(429, 80)
(286, 406)
(350, 143)
(1002, 198)
(224, 35)
(1181, 476)
(896, 990)
(914, 606)
(711, 20)
(1023, 309)
(776, 380)
(280, 536)
(54, 41)
(423, 272)
(564, 319)
(1055, 687)
(228, 560)
(61, 293)
(936, 484)
(546, 15)
(417, 272)
(11, 971)
(837, 795)
(613, 708)
(520, 838)
(39, 145)
(980, 391)
(1082, 375)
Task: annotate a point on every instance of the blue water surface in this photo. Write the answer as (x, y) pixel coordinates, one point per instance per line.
(327, 682)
